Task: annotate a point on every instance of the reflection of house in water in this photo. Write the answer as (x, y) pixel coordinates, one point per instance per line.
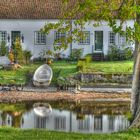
(111, 123)
(54, 121)
(121, 123)
(5, 119)
(40, 122)
(84, 124)
(60, 122)
(98, 123)
(10, 119)
(66, 121)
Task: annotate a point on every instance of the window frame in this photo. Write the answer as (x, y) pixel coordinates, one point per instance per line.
(35, 38)
(87, 38)
(55, 37)
(111, 38)
(5, 32)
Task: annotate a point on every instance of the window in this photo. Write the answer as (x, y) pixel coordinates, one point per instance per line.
(122, 40)
(40, 122)
(84, 124)
(59, 36)
(60, 122)
(3, 35)
(112, 38)
(98, 126)
(85, 40)
(40, 38)
(111, 125)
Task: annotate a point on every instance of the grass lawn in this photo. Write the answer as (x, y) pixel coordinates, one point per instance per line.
(67, 69)
(17, 134)
(110, 67)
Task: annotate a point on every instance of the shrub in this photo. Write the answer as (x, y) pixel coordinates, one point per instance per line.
(27, 55)
(11, 56)
(76, 54)
(88, 58)
(3, 48)
(18, 52)
(128, 53)
(113, 53)
(61, 81)
(81, 64)
(116, 53)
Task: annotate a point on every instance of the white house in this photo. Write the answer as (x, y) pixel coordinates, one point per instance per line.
(25, 18)
(68, 121)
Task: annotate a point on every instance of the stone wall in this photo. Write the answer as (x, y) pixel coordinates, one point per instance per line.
(104, 78)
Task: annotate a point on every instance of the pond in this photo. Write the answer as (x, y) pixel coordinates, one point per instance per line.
(83, 118)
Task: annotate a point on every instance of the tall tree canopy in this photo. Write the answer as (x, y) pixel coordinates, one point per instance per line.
(79, 12)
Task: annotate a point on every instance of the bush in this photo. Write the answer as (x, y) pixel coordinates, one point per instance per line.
(113, 53)
(81, 64)
(88, 58)
(128, 53)
(3, 48)
(27, 55)
(76, 54)
(18, 52)
(11, 56)
(116, 53)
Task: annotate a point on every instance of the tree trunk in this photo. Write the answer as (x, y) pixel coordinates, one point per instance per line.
(135, 96)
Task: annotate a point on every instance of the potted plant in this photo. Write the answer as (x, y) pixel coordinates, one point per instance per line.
(49, 61)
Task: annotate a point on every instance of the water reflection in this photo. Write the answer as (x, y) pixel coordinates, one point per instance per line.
(65, 120)
(98, 123)
(39, 122)
(60, 122)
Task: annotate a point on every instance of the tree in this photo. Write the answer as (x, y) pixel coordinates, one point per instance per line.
(27, 55)
(81, 11)
(18, 52)
(3, 48)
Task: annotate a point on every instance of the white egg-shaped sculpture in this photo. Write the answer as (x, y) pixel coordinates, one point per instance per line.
(43, 76)
(42, 109)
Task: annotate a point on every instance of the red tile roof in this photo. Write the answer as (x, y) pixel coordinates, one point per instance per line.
(30, 9)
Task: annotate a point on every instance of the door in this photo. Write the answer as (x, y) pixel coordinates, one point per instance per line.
(98, 40)
(14, 35)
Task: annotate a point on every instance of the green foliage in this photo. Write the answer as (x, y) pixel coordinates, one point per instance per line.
(129, 116)
(81, 64)
(18, 52)
(3, 48)
(11, 56)
(113, 53)
(13, 107)
(27, 56)
(128, 53)
(96, 10)
(76, 54)
(61, 81)
(88, 58)
(67, 69)
(116, 53)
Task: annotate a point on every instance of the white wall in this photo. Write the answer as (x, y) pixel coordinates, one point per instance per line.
(28, 27)
(106, 29)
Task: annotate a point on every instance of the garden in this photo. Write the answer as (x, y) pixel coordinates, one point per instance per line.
(117, 63)
(63, 69)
